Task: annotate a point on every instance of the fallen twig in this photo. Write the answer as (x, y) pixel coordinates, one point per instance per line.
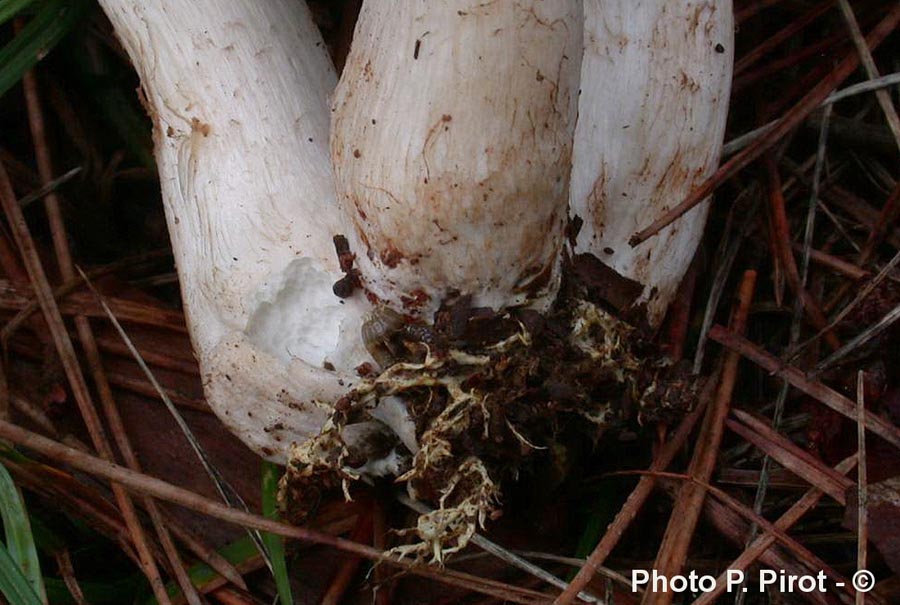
(788, 122)
(151, 486)
(859, 340)
(868, 63)
(226, 491)
(797, 379)
(762, 543)
(75, 376)
(636, 499)
(862, 524)
(782, 241)
(790, 455)
(683, 521)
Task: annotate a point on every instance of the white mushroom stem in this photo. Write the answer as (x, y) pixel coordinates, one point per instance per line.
(452, 145)
(237, 92)
(452, 142)
(655, 83)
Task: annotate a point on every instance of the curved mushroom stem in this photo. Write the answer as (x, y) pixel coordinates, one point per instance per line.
(452, 142)
(237, 92)
(655, 83)
(452, 145)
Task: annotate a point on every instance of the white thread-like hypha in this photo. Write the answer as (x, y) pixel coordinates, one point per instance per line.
(655, 83)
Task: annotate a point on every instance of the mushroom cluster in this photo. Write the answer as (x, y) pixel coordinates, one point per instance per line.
(356, 255)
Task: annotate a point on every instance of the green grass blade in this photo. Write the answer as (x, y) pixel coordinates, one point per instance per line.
(271, 473)
(13, 584)
(45, 539)
(244, 550)
(11, 8)
(238, 553)
(19, 539)
(52, 21)
(604, 504)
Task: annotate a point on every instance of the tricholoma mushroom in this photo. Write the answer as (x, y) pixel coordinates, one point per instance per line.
(422, 271)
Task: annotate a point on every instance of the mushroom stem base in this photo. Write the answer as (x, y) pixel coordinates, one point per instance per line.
(490, 396)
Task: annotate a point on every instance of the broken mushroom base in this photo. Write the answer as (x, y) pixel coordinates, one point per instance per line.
(477, 398)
